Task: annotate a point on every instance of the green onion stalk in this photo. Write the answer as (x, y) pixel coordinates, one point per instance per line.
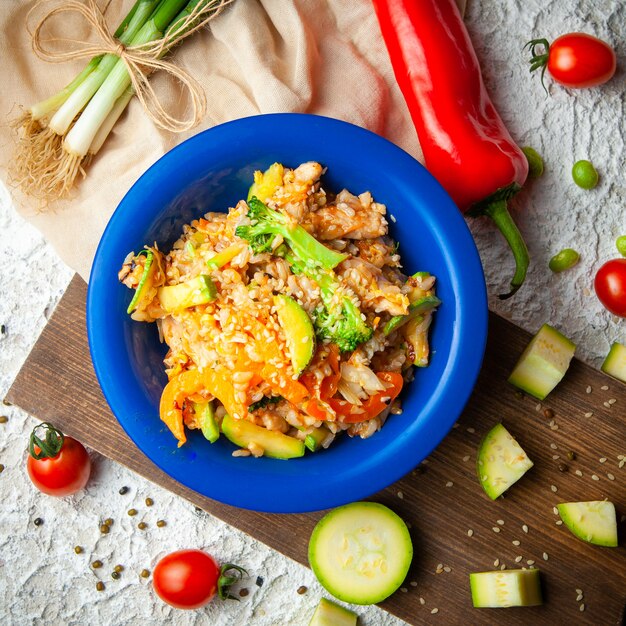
(61, 132)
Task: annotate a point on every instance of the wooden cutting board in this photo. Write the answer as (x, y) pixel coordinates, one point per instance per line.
(456, 529)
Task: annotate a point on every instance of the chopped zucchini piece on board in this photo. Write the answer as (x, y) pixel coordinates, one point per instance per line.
(361, 552)
(274, 443)
(501, 461)
(594, 522)
(198, 290)
(298, 329)
(328, 613)
(615, 362)
(505, 588)
(543, 363)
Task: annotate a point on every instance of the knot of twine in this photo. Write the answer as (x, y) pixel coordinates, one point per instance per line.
(140, 60)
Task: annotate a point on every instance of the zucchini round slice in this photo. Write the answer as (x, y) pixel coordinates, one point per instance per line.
(361, 552)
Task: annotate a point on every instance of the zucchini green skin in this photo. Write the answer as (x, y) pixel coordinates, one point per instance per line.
(195, 291)
(208, 423)
(423, 305)
(142, 287)
(298, 329)
(328, 613)
(361, 552)
(615, 362)
(505, 588)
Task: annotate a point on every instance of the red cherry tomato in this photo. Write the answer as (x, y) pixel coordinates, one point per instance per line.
(610, 286)
(188, 579)
(575, 59)
(57, 465)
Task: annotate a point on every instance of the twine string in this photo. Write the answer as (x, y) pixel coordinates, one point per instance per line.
(140, 60)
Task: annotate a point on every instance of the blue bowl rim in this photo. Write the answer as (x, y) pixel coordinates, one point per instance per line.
(472, 343)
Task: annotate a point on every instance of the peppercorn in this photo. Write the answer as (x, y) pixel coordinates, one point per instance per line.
(259, 581)
(243, 592)
(1, 468)
(78, 549)
(108, 521)
(563, 467)
(149, 501)
(118, 568)
(132, 512)
(160, 523)
(571, 455)
(548, 413)
(302, 590)
(142, 525)
(144, 573)
(96, 564)
(100, 586)
(115, 575)
(3, 419)
(104, 529)
(38, 521)
(123, 490)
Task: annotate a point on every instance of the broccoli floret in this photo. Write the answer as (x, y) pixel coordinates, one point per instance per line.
(267, 223)
(337, 318)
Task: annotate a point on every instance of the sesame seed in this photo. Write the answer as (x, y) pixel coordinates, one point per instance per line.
(559, 522)
(588, 390)
(470, 532)
(413, 583)
(582, 607)
(611, 401)
(579, 592)
(602, 459)
(471, 430)
(437, 611)
(530, 562)
(607, 405)
(466, 458)
(604, 387)
(555, 510)
(578, 472)
(500, 521)
(447, 569)
(449, 483)
(503, 566)
(554, 427)
(496, 529)
(403, 589)
(518, 559)
(589, 414)
(554, 488)
(554, 446)
(610, 476)
(496, 563)
(595, 477)
(516, 542)
(538, 407)
(422, 601)
(400, 495)
(555, 457)
(545, 556)
(392, 217)
(579, 597)
(525, 528)
(621, 463)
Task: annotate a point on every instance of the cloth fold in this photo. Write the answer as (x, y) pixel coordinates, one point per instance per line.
(260, 56)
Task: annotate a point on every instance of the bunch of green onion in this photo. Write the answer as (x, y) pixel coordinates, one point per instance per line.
(57, 136)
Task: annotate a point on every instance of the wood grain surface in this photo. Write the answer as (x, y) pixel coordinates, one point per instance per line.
(441, 500)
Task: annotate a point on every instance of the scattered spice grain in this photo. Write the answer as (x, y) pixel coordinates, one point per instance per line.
(470, 533)
(301, 590)
(96, 564)
(563, 467)
(100, 586)
(545, 556)
(149, 501)
(525, 528)
(78, 549)
(3, 419)
(434, 611)
(160, 523)
(123, 490)
(115, 575)
(142, 525)
(595, 477)
(549, 413)
(132, 512)
(118, 568)
(243, 592)
(571, 455)
(144, 573)
(104, 529)
(38, 521)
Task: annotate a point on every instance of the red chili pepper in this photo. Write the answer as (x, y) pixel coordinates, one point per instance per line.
(465, 143)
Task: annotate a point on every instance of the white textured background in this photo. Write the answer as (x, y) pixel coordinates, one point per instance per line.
(42, 581)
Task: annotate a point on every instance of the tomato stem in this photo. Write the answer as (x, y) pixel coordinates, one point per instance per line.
(49, 446)
(539, 60)
(225, 581)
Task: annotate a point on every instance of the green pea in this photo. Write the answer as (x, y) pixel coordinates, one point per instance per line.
(564, 260)
(585, 174)
(535, 162)
(620, 244)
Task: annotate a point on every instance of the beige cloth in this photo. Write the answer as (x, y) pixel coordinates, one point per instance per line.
(259, 56)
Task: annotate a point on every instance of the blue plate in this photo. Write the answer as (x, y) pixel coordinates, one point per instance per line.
(211, 172)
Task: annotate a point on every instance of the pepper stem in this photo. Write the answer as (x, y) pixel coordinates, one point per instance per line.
(499, 213)
(226, 580)
(539, 60)
(49, 446)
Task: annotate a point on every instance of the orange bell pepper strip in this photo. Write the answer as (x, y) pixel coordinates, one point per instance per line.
(189, 383)
(352, 414)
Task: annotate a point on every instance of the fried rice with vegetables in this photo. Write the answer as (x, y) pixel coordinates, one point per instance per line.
(288, 319)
